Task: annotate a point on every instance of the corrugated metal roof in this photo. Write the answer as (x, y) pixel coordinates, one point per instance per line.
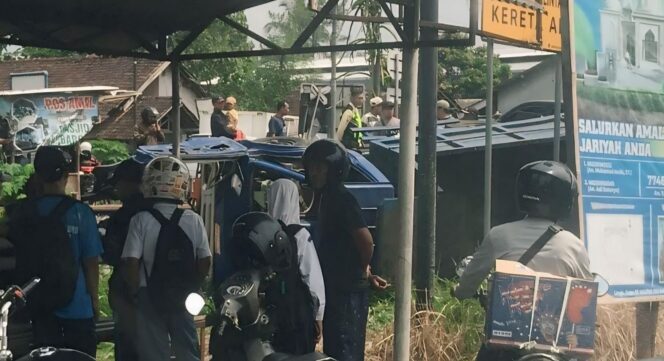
(458, 140)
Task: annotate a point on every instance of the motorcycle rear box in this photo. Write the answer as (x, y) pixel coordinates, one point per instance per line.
(528, 308)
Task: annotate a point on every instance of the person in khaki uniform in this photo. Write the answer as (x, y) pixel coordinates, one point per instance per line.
(351, 118)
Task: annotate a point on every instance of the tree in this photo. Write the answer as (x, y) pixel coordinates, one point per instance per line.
(287, 25)
(257, 83)
(29, 52)
(462, 72)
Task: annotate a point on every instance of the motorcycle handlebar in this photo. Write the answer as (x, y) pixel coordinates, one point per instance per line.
(30, 285)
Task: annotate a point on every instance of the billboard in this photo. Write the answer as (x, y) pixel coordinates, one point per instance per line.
(49, 118)
(620, 100)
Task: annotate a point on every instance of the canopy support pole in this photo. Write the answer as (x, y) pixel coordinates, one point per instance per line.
(175, 110)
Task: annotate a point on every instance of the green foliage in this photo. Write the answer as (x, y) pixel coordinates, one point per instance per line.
(105, 350)
(257, 83)
(462, 72)
(29, 52)
(17, 175)
(467, 313)
(109, 151)
(287, 25)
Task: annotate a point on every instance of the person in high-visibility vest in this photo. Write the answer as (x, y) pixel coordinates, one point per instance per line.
(351, 118)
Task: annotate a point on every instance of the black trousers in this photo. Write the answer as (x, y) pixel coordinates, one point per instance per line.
(74, 334)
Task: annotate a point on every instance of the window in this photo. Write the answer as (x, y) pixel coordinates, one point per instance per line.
(29, 81)
(650, 47)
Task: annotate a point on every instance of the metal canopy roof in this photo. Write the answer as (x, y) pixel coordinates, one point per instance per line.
(139, 28)
(109, 27)
(459, 140)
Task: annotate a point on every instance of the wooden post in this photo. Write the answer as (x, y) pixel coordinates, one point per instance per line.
(646, 329)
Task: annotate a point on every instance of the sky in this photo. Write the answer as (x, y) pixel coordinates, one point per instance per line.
(454, 12)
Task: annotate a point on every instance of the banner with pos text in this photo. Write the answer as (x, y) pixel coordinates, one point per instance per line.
(48, 118)
(620, 100)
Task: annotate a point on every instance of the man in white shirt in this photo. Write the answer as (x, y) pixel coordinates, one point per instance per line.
(372, 118)
(165, 182)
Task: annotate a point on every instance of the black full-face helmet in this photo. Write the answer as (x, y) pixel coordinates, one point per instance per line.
(546, 189)
(260, 241)
(332, 153)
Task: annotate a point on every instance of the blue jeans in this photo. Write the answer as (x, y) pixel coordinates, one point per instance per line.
(159, 334)
(344, 326)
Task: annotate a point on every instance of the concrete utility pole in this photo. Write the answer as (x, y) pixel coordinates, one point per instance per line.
(407, 139)
(558, 99)
(488, 145)
(175, 109)
(426, 159)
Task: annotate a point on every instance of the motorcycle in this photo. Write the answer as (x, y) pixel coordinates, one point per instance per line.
(242, 324)
(95, 184)
(526, 352)
(16, 295)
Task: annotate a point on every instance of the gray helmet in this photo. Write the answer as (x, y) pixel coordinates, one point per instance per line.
(260, 241)
(150, 115)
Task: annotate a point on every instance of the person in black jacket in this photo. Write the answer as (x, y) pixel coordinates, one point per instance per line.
(127, 182)
(219, 122)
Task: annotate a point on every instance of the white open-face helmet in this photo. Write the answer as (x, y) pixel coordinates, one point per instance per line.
(86, 147)
(166, 177)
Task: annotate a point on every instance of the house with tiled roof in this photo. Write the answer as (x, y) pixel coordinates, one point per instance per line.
(149, 78)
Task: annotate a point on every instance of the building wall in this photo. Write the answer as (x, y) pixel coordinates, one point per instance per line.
(538, 85)
(163, 86)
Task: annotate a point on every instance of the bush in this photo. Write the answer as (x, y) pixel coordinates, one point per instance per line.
(109, 151)
(14, 178)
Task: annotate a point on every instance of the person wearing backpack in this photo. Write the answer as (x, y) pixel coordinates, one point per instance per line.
(283, 203)
(56, 239)
(127, 182)
(166, 257)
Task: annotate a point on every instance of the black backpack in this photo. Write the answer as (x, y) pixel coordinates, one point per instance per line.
(174, 272)
(44, 250)
(294, 305)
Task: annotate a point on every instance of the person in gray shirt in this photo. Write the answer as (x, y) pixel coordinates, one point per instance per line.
(546, 191)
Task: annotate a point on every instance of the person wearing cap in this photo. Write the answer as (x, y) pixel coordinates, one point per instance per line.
(387, 115)
(219, 122)
(148, 131)
(72, 326)
(126, 180)
(351, 118)
(443, 111)
(388, 119)
(373, 117)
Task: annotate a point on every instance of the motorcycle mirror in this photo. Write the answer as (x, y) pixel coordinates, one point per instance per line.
(236, 184)
(602, 285)
(461, 266)
(194, 304)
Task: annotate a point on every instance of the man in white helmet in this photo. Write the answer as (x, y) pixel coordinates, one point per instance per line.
(167, 256)
(86, 157)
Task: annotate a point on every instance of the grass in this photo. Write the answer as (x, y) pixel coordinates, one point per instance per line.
(452, 330)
